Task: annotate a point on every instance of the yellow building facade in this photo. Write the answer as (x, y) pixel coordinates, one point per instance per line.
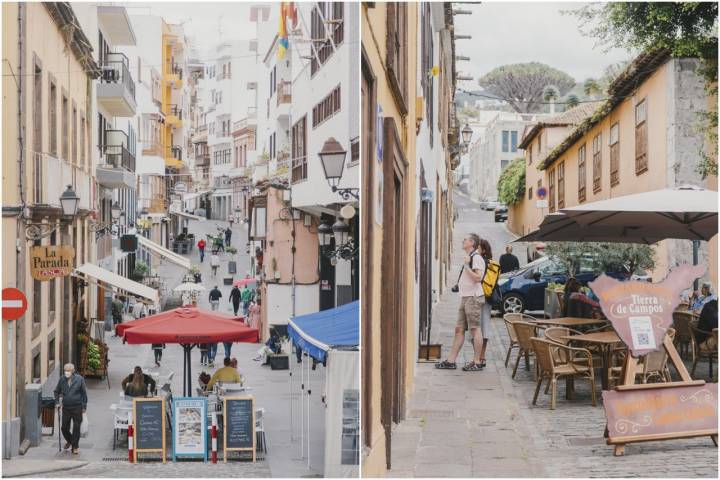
(643, 138)
(388, 93)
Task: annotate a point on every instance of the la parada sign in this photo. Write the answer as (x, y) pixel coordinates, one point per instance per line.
(52, 261)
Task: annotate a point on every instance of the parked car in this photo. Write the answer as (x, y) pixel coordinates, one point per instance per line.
(490, 203)
(501, 213)
(524, 289)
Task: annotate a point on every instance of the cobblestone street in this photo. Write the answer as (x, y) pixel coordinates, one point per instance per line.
(482, 424)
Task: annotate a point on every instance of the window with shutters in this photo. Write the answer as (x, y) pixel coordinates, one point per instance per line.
(597, 163)
(551, 188)
(530, 155)
(326, 108)
(530, 193)
(396, 61)
(354, 151)
(299, 150)
(37, 107)
(614, 154)
(561, 184)
(427, 80)
(325, 33)
(74, 135)
(83, 147)
(52, 113)
(641, 138)
(582, 176)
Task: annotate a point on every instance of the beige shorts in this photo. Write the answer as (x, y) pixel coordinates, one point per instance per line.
(470, 312)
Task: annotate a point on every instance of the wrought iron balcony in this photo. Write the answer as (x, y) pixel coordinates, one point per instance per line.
(116, 91)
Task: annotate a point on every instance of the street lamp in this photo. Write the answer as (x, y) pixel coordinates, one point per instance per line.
(69, 202)
(466, 134)
(324, 231)
(332, 157)
(116, 211)
(341, 231)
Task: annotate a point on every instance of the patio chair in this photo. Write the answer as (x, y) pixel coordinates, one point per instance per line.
(260, 430)
(699, 353)
(556, 334)
(120, 423)
(655, 365)
(551, 369)
(509, 319)
(683, 335)
(525, 331)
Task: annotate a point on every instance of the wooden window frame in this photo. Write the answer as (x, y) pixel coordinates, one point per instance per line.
(614, 154)
(65, 123)
(53, 115)
(299, 150)
(561, 185)
(597, 162)
(396, 60)
(37, 104)
(582, 173)
(641, 139)
(427, 58)
(551, 190)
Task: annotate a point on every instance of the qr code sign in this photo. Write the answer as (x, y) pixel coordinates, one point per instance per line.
(643, 340)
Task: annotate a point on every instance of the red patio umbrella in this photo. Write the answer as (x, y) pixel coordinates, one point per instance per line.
(189, 326)
(244, 281)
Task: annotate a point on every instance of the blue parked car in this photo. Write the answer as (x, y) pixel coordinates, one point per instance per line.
(524, 289)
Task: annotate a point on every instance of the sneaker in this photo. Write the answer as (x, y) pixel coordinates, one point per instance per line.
(67, 446)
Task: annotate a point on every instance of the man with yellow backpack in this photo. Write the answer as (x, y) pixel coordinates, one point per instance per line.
(490, 289)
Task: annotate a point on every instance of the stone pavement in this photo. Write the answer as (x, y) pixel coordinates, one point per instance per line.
(270, 388)
(482, 424)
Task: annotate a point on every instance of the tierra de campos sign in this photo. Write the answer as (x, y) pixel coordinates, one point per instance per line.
(48, 262)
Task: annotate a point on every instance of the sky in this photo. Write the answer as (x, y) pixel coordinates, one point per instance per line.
(518, 32)
(204, 22)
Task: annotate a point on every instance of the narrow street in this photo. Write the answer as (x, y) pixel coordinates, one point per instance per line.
(270, 388)
(486, 426)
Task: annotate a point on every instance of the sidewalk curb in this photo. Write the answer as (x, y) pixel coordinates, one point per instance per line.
(39, 467)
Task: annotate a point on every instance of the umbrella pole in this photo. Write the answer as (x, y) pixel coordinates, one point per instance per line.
(292, 431)
(302, 405)
(308, 415)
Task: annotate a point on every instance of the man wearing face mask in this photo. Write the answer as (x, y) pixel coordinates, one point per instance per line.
(71, 387)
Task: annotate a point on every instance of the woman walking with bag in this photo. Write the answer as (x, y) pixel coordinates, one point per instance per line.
(485, 252)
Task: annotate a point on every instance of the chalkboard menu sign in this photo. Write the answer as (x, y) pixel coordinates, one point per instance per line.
(239, 424)
(149, 425)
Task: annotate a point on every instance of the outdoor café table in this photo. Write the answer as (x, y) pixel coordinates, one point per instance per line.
(605, 340)
(570, 321)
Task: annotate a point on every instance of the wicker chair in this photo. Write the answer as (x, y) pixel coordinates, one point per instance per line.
(683, 334)
(509, 319)
(698, 353)
(556, 334)
(551, 369)
(525, 331)
(654, 365)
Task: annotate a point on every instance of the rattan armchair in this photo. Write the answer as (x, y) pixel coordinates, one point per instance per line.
(525, 331)
(683, 336)
(698, 353)
(552, 369)
(509, 319)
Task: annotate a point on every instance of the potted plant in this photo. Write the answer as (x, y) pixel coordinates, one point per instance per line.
(141, 269)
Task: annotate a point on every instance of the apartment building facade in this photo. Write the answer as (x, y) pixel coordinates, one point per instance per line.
(642, 138)
(47, 136)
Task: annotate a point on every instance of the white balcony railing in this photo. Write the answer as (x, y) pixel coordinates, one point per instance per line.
(50, 178)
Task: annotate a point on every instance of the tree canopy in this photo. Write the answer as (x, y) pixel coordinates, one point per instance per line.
(523, 85)
(602, 256)
(511, 184)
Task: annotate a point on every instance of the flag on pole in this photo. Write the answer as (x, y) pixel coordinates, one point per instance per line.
(282, 33)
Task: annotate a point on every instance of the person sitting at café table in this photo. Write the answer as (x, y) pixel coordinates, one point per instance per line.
(706, 295)
(708, 320)
(138, 384)
(226, 374)
(577, 304)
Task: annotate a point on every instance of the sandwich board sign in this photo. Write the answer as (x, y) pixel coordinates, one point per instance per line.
(190, 428)
(641, 313)
(149, 425)
(239, 425)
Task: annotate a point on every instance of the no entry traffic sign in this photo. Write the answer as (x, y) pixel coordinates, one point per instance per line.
(14, 304)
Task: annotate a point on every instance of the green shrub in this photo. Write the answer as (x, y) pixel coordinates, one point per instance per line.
(511, 185)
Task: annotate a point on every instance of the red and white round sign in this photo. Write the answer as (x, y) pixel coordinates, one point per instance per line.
(14, 304)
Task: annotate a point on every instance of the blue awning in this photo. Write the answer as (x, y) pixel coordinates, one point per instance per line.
(318, 332)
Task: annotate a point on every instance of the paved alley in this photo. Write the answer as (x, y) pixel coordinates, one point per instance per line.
(482, 424)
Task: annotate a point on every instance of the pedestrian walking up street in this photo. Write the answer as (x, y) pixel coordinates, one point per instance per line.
(214, 263)
(157, 349)
(246, 297)
(235, 297)
(228, 236)
(214, 297)
(508, 261)
(71, 400)
(201, 248)
(469, 287)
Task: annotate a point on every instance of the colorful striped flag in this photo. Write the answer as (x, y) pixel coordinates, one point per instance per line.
(283, 43)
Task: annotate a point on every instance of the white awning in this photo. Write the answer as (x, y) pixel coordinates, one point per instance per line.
(115, 280)
(163, 252)
(186, 215)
